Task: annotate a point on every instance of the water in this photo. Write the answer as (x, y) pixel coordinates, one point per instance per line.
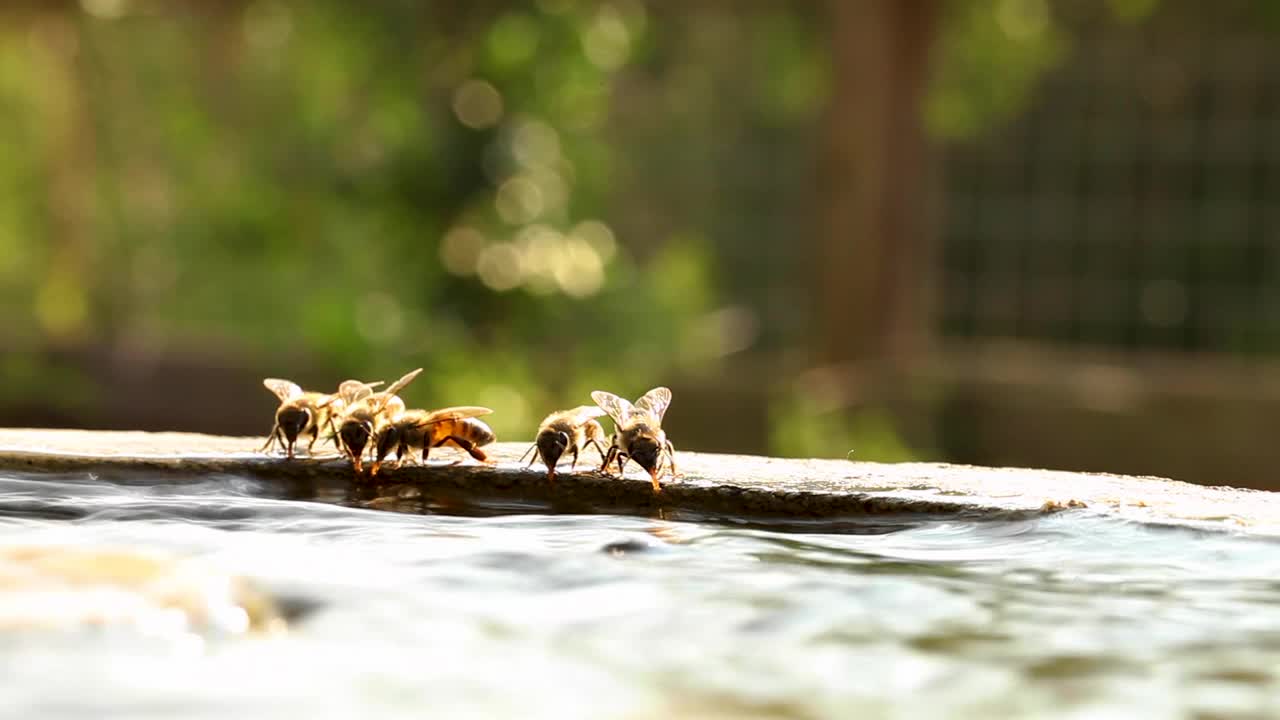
(510, 612)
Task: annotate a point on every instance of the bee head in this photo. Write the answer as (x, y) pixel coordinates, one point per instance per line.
(551, 445)
(355, 436)
(293, 420)
(647, 453)
(388, 437)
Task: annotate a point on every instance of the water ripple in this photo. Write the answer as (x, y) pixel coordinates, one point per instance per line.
(504, 611)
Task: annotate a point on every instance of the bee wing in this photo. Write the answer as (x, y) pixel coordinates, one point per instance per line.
(655, 402)
(284, 389)
(399, 385)
(453, 413)
(352, 390)
(385, 396)
(583, 413)
(616, 407)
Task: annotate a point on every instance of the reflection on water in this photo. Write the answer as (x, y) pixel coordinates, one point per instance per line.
(453, 610)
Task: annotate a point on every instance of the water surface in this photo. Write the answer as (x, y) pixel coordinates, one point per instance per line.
(420, 607)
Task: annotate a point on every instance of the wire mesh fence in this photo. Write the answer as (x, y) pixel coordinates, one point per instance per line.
(1134, 203)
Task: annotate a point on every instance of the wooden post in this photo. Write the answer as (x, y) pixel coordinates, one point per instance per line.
(874, 262)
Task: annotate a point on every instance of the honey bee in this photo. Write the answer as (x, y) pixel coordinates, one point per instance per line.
(567, 431)
(424, 429)
(637, 432)
(300, 414)
(363, 412)
(304, 413)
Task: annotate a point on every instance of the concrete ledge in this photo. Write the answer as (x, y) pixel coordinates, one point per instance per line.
(735, 485)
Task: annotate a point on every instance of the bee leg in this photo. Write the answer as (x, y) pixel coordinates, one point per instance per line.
(526, 454)
(469, 447)
(380, 463)
(311, 445)
(622, 463)
(671, 458)
(598, 446)
(275, 432)
(426, 450)
(613, 450)
(574, 465)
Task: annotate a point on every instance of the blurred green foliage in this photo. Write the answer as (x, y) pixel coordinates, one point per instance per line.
(990, 54)
(803, 428)
(361, 188)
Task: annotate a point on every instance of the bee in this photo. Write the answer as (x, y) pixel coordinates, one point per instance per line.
(349, 391)
(428, 429)
(637, 432)
(567, 431)
(363, 412)
(304, 413)
(300, 414)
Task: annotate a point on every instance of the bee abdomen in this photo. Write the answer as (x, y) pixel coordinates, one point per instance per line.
(478, 432)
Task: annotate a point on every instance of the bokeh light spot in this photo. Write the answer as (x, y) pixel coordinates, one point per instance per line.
(553, 189)
(728, 330)
(105, 9)
(599, 236)
(1023, 19)
(519, 200)
(579, 272)
(606, 41)
(535, 143)
(267, 25)
(513, 39)
(477, 104)
(460, 250)
(500, 267)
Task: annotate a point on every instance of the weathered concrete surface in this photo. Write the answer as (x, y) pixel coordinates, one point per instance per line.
(716, 484)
